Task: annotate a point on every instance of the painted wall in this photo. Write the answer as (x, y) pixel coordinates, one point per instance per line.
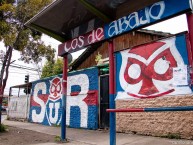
(82, 96)
(153, 70)
(18, 107)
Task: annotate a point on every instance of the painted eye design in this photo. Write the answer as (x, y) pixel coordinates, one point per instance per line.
(161, 66)
(53, 88)
(58, 88)
(156, 67)
(134, 71)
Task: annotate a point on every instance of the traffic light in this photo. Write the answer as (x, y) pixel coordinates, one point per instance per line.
(27, 90)
(26, 78)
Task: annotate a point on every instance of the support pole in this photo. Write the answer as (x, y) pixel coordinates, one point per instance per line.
(64, 98)
(112, 93)
(190, 29)
(161, 109)
(190, 26)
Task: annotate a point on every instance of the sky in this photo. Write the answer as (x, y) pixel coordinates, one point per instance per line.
(17, 75)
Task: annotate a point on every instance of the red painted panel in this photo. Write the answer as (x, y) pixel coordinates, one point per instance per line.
(126, 110)
(190, 48)
(43, 97)
(91, 98)
(81, 41)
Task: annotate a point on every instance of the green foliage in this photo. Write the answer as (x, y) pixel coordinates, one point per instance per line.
(16, 36)
(57, 69)
(172, 136)
(3, 128)
(4, 28)
(56, 125)
(47, 69)
(14, 33)
(57, 138)
(52, 68)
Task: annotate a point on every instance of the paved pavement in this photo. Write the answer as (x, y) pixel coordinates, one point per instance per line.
(91, 137)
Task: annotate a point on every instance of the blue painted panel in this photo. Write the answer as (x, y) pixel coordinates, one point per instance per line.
(92, 117)
(118, 62)
(149, 15)
(182, 48)
(46, 100)
(75, 117)
(75, 88)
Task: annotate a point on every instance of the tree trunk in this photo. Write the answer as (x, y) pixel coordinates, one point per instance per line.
(4, 74)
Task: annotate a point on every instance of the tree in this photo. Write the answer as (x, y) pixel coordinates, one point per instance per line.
(16, 36)
(51, 68)
(47, 69)
(57, 69)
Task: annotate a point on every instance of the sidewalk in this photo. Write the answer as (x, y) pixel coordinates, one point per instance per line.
(91, 137)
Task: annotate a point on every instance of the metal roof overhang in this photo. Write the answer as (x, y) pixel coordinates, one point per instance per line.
(62, 17)
(22, 86)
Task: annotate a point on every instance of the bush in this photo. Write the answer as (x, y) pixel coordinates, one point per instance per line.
(172, 136)
(57, 138)
(3, 128)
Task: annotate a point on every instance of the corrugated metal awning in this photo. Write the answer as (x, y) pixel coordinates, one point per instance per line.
(66, 19)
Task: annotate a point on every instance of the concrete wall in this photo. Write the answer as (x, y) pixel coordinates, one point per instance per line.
(82, 96)
(18, 107)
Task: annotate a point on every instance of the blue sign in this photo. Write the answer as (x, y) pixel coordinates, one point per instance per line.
(154, 13)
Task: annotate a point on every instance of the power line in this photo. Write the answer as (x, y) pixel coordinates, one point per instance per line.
(23, 67)
(23, 73)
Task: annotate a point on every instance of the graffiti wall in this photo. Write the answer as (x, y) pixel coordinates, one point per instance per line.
(18, 107)
(82, 96)
(153, 70)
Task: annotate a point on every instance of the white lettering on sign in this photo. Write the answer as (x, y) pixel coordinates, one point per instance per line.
(75, 43)
(81, 41)
(95, 36)
(135, 19)
(99, 34)
(80, 38)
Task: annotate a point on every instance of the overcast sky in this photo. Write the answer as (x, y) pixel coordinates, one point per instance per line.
(17, 75)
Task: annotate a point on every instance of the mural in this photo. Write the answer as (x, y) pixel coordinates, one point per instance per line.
(82, 95)
(153, 70)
